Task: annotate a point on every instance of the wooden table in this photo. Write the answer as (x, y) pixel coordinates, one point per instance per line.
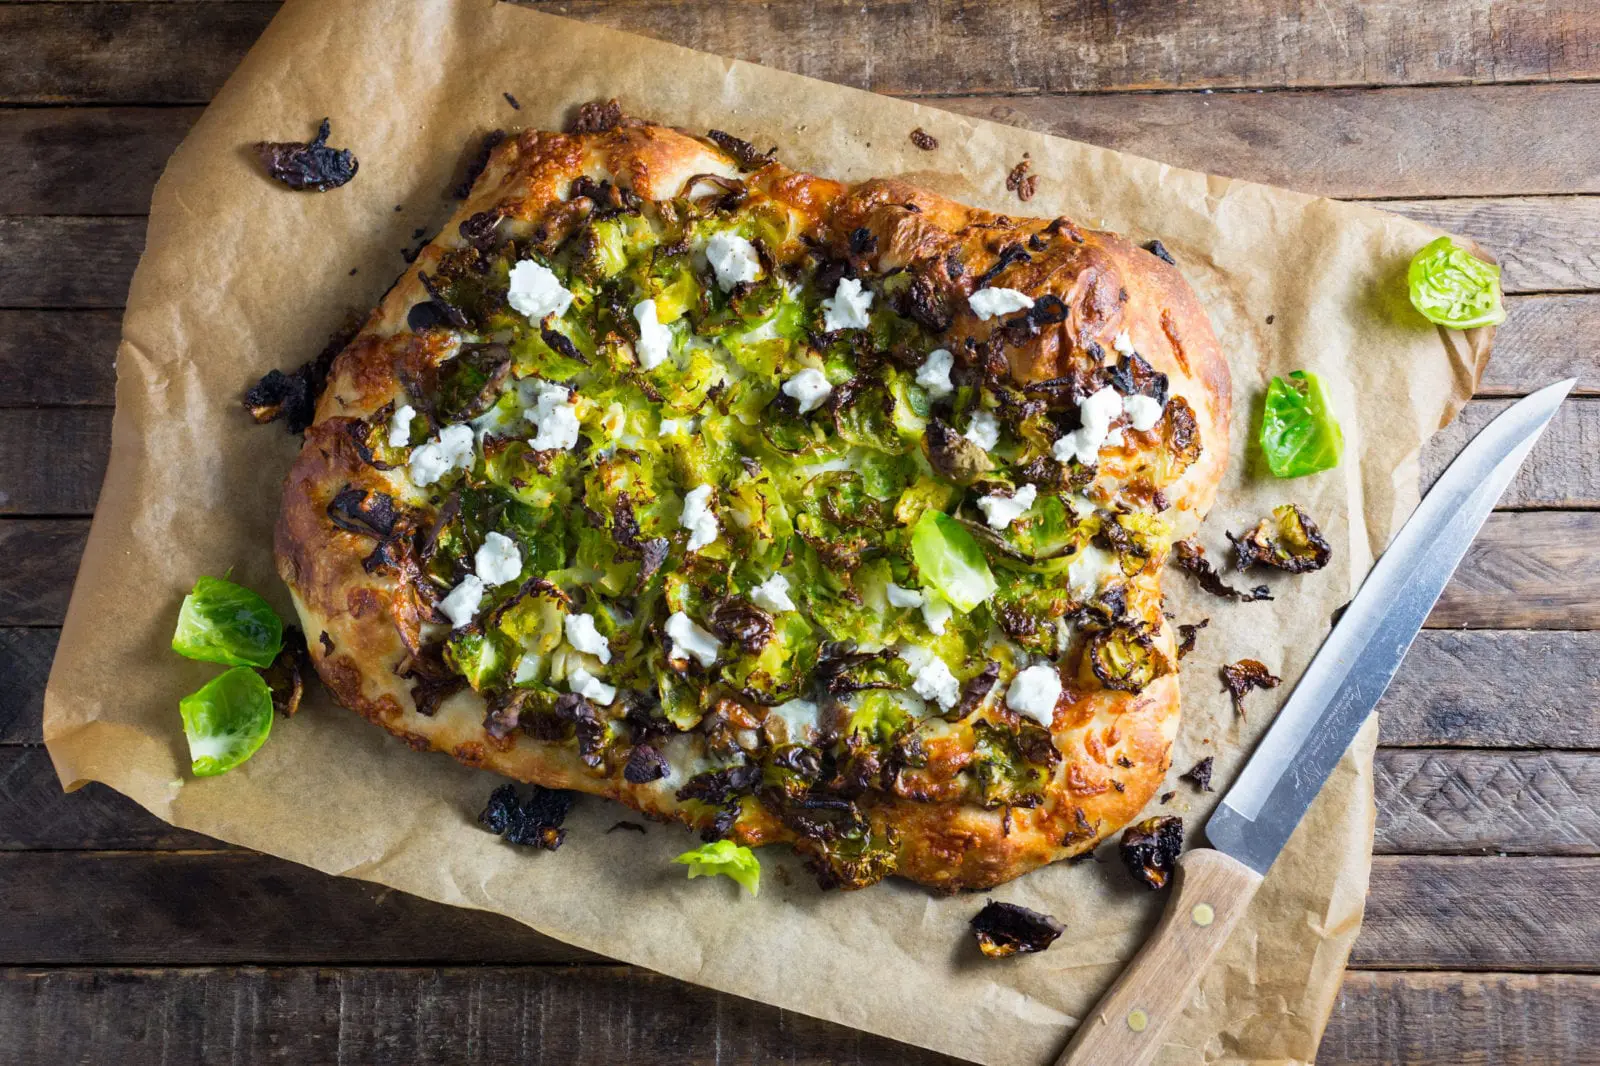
(124, 940)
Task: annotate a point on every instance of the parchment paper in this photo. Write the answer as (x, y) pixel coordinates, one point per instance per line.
(241, 275)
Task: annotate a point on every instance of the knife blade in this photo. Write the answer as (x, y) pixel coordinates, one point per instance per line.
(1355, 664)
(1305, 742)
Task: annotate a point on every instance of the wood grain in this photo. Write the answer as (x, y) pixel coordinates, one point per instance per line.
(25, 656)
(91, 907)
(1561, 471)
(1533, 570)
(41, 559)
(604, 1015)
(64, 52)
(66, 261)
(58, 358)
(36, 815)
(55, 459)
(1464, 802)
(1521, 913)
(1545, 339)
(87, 160)
(1549, 244)
(1496, 689)
(178, 908)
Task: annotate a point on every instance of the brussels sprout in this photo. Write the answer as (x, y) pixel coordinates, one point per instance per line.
(951, 561)
(725, 858)
(221, 622)
(227, 721)
(1125, 658)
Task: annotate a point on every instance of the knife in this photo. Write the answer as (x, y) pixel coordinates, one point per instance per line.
(1341, 686)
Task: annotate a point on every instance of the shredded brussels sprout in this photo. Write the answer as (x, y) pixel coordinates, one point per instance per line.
(1454, 288)
(726, 858)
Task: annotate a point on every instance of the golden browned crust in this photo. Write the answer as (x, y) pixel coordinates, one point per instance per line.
(1114, 745)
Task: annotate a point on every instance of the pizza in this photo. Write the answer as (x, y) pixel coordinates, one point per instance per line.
(794, 511)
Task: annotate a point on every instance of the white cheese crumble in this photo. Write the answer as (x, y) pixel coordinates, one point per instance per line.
(733, 259)
(902, 597)
(1089, 569)
(1123, 343)
(1000, 511)
(554, 418)
(847, 307)
(1115, 439)
(400, 426)
(527, 668)
(655, 339)
(498, 560)
(584, 637)
(1034, 692)
(590, 687)
(983, 430)
(934, 374)
(1095, 416)
(934, 681)
(536, 292)
(986, 303)
(773, 594)
(452, 450)
(698, 517)
(809, 388)
(689, 639)
(1143, 412)
(463, 601)
(799, 718)
(936, 611)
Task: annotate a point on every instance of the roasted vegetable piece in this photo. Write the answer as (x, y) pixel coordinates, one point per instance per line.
(1188, 634)
(1245, 675)
(312, 167)
(1451, 287)
(1288, 541)
(951, 561)
(1126, 658)
(534, 821)
(1299, 434)
(227, 721)
(1009, 929)
(726, 858)
(221, 622)
(1150, 849)
(1191, 559)
(1200, 773)
(286, 677)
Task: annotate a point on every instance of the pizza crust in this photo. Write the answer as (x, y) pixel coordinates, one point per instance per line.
(1115, 746)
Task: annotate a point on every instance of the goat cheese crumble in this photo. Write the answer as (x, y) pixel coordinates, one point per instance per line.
(987, 303)
(590, 687)
(451, 450)
(934, 374)
(1143, 411)
(554, 417)
(1034, 692)
(536, 292)
(400, 426)
(733, 259)
(498, 560)
(773, 594)
(847, 307)
(809, 389)
(1000, 511)
(1095, 416)
(698, 517)
(655, 339)
(689, 640)
(983, 430)
(463, 601)
(584, 637)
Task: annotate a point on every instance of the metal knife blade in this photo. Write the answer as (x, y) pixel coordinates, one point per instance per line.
(1358, 660)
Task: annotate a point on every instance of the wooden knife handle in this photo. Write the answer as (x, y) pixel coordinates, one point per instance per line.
(1127, 1026)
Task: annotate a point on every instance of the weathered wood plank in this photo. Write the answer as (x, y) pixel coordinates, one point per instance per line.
(1545, 339)
(87, 160)
(1452, 690)
(1561, 471)
(58, 53)
(1495, 689)
(1357, 143)
(25, 656)
(1522, 913)
(58, 358)
(1549, 244)
(1435, 802)
(601, 1015)
(42, 559)
(36, 815)
(67, 262)
(1482, 802)
(1491, 1019)
(54, 459)
(175, 908)
(1530, 570)
(94, 907)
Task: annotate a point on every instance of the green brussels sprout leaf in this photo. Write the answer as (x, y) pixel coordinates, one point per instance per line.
(1299, 435)
(726, 858)
(226, 721)
(951, 561)
(1453, 288)
(221, 622)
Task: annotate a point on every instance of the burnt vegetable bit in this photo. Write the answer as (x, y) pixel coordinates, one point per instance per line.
(596, 116)
(1021, 182)
(1200, 773)
(1244, 676)
(631, 827)
(1191, 558)
(1004, 929)
(475, 169)
(1188, 635)
(312, 167)
(744, 153)
(293, 396)
(286, 676)
(1150, 849)
(923, 139)
(535, 821)
(1289, 541)
(1159, 250)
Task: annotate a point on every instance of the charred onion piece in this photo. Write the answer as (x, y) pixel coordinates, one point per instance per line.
(312, 167)
(1200, 773)
(1006, 929)
(535, 821)
(1243, 676)
(1289, 541)
(1188, 634)
(1191, 558)
(286, 676)
(1150, 849)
